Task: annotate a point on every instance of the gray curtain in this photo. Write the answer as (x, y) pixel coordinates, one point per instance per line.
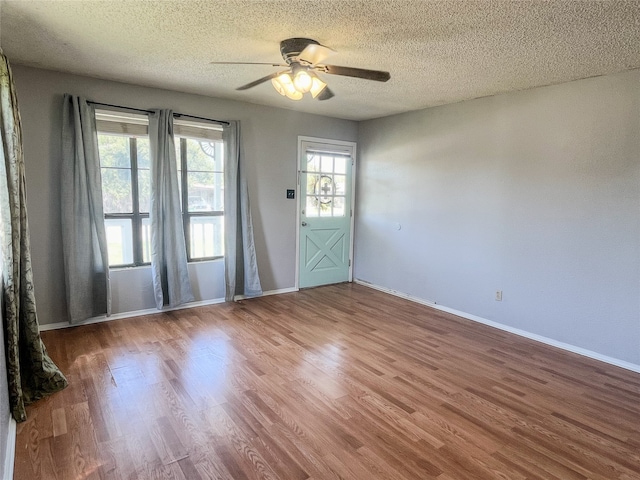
(171, 283)
(241, 266)
(31, 374)
(84, 241)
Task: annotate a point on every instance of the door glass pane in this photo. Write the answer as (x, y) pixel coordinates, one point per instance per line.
(119, 241)
(338, 207)
(311, 209)
(340, 165)
(326, 207)
(326, 165)
(206, 237)
(313, 162)
(324, 188)
(340, 182)
(312, 180)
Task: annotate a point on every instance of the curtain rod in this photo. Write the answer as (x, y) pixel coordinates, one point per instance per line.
(223, 122)
(122, 107)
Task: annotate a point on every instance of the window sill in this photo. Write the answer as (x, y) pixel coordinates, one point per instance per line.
(140, 267)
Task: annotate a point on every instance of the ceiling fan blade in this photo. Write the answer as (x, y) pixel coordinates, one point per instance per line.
(315, 53)
(376, 75)
(249, 63)
(325, 94)
(259, 81)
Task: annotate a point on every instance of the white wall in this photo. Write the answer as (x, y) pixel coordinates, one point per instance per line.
(536, 193)
(270, 143)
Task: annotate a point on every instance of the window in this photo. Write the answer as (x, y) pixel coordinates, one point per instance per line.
(201, 176)
(326, 184)
(126, 187)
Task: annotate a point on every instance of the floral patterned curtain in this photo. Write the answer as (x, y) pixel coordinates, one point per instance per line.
(30, 371)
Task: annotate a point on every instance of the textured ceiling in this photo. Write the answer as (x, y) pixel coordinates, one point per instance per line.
(437, 52)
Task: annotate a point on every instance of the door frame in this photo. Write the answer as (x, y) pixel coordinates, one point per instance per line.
(339, 146)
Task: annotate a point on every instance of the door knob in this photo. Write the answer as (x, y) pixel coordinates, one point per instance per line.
(304, 224)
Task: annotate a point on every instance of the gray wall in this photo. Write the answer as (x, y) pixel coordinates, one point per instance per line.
(270, 147)
(536, 193)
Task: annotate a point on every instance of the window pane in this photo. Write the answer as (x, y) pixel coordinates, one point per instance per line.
(219, 160)
(114, 151)
(142, 145)
(119, 241)
(145, 236)
(205, 191)
(206, 237)
(179, 166)
(116, 190)
(201, 156)
(177, 145)
(144, 190)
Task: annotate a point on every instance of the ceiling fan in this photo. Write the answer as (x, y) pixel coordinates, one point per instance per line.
(303, 58)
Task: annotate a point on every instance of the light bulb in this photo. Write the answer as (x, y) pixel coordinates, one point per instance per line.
(284, 86)
(278, 86)
(317, 87)
(294, 94)
(303, 81)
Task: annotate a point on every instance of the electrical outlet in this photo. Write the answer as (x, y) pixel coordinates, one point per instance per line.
(498, 295)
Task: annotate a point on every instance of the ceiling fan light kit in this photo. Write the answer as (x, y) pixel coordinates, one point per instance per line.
(303, 56)
(294, 86)
(284, 85)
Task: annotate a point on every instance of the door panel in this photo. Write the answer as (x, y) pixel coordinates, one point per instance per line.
(325, 215)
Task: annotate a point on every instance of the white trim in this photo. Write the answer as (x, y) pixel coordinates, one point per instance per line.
(350, 149)
(153, 311)
(270, 292)
(135, 313)
(516, 331)
(10, 453)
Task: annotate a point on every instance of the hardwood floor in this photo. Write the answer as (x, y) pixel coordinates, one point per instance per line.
(334, 382)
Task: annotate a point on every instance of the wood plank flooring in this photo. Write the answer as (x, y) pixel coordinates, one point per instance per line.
(338, 382)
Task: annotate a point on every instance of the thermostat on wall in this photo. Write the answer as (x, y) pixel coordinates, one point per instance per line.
(291, 193)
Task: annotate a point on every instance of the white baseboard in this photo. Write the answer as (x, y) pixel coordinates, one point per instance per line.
(270, 292)
(10, 453)
(151, 311)
(523, 333)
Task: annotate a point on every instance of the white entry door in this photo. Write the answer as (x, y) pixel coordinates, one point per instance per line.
(325, 212)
